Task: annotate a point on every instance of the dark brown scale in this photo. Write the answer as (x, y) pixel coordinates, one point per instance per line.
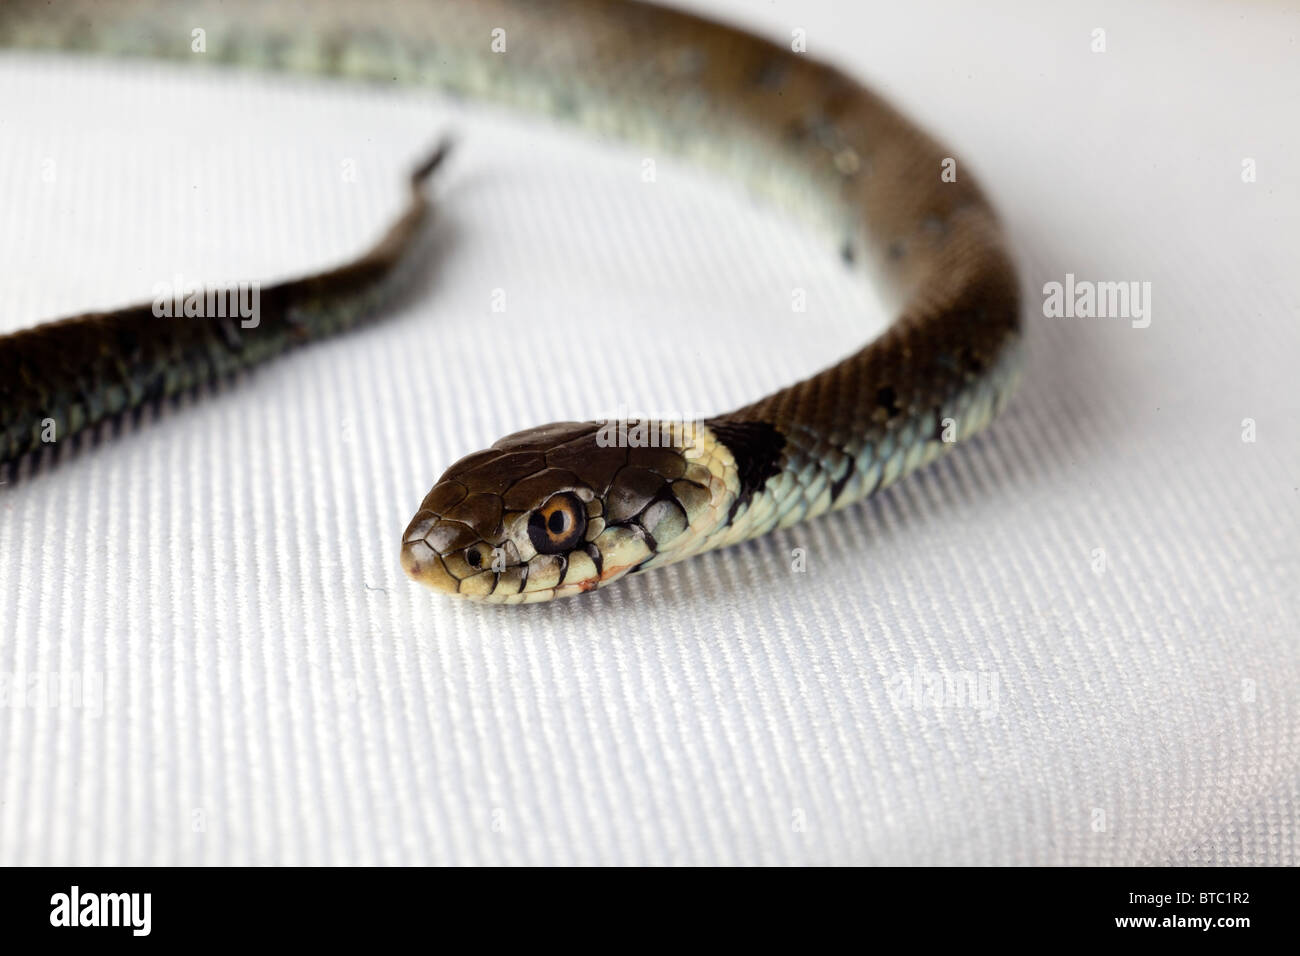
(633, 489)
(665, 462)
(451, 536)
(596, 464)
(525, 493)
(481, 511)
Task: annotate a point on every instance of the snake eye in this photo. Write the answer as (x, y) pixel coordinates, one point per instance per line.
(558, 525)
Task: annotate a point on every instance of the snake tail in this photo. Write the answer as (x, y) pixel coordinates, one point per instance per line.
(63, 377)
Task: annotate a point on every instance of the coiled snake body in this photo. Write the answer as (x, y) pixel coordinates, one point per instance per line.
(567, 508)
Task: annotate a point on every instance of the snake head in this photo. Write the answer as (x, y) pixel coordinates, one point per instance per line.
(567, 508)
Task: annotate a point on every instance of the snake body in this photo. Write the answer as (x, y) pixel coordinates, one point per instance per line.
(570, 507)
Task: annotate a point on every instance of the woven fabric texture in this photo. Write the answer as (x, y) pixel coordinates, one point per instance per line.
(1072, 642)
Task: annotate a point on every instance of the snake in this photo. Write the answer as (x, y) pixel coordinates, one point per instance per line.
(570, 507)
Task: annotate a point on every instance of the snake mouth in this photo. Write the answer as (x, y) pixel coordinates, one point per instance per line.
(421, 563)
(542, 578)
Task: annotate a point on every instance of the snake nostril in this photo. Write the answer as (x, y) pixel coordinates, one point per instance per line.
(415, 556)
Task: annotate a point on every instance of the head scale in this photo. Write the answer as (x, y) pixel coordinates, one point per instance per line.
(567, 508)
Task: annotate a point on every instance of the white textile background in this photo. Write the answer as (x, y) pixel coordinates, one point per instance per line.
(1112, 569)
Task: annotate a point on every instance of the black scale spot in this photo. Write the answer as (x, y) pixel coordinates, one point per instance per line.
(650, 542)
(593, 552)
(757, 448)
(938, 425)
(839, 484)
(974, 364)
(887, 399)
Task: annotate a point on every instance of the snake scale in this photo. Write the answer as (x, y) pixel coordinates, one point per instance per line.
(566, 508)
